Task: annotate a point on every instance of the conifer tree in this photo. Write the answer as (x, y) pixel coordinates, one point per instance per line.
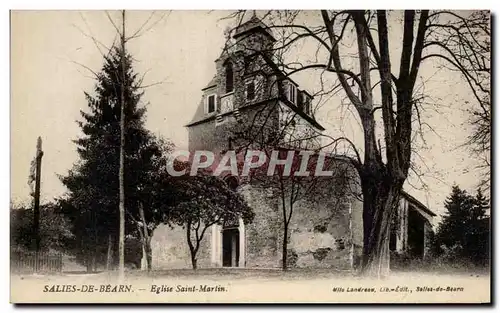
(477, 232)
(93, 197)
(464, 229)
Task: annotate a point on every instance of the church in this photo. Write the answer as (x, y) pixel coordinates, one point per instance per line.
(250, 97)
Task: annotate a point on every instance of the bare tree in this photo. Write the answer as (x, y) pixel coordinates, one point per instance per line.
(122, 72)
(121, 173)
(379, 93)
(467, 43)
(144, 232)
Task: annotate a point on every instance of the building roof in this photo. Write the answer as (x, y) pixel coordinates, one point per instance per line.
(417, 203)
(212, 83)
(200, 116)
(254, 24)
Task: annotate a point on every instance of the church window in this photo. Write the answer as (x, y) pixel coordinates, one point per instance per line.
(300, 101)
(307, 106)
(211, 104)
(250, 90)
(292, 93)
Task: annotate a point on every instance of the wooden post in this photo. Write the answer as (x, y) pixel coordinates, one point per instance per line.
(36, 208)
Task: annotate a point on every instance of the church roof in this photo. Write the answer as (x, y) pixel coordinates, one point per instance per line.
(252, 25)
(200, 115)
(212, 83)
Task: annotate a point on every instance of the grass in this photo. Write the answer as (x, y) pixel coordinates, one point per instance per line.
(438, 265)
(245, 273)
(253, 274)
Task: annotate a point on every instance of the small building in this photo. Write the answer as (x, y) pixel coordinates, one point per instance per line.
(411, 229)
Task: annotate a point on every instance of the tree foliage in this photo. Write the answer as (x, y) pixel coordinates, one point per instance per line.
(92, 199)
(464, 230)
(55, 230)
(202, 201)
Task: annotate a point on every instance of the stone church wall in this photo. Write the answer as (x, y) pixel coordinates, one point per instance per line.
(262, 235)
(325, 228)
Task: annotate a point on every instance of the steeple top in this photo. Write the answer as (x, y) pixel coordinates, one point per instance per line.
(254, 24)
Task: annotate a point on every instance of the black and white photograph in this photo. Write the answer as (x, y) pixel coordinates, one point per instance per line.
(250, 156)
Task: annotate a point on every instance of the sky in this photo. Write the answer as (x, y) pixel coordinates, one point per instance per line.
(50, 51)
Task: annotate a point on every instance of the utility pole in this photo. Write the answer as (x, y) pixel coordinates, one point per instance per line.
(121, 241)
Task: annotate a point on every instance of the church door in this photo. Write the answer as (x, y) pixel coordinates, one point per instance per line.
(230, 247)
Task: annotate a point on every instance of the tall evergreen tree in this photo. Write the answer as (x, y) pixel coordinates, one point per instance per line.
(477, 231)
(451, 229)
(465, 227)
(92, 201)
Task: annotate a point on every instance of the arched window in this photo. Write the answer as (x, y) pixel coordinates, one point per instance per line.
(229, 77)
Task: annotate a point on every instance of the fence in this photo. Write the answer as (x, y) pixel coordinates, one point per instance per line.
(24, 261)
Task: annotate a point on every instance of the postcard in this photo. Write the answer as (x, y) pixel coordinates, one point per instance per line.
(250, 156)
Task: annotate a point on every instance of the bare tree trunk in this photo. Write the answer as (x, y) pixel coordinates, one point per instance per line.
(109, 258)
(88, 263)
(284, 259)
(285, 248)
(121, 241)
(144, 261)
(381, 198)
(94, 263)
(192, 249)
(146, 240)
(95, 252)
(194, 261)
(143, 246)
(149, 254)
